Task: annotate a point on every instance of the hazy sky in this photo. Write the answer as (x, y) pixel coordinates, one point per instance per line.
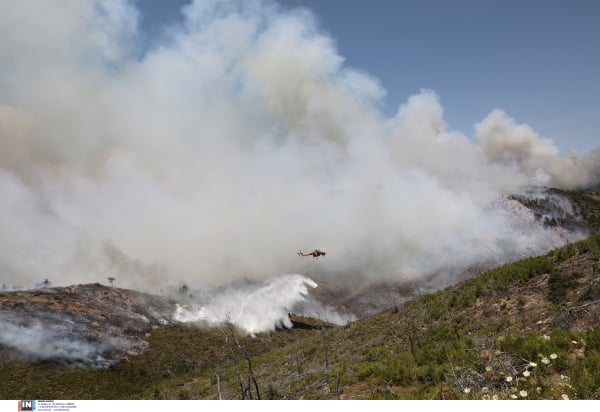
(537, 60)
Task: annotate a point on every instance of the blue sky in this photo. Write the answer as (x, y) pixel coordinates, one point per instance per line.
(537, 60)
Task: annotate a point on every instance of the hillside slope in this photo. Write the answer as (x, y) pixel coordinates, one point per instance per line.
(527, 330)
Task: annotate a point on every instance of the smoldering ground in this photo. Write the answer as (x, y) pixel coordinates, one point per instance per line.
(81, 325)
(41, 342)
(217, 151)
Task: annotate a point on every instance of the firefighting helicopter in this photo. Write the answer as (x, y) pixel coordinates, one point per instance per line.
(315, 253)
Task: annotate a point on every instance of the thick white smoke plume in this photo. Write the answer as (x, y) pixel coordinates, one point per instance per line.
(38, 342)
(253, 308)
(238, 138)
(502, 140)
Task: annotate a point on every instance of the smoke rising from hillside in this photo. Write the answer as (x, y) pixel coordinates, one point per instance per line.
(232, 142)
(38, 342)
(257, 307)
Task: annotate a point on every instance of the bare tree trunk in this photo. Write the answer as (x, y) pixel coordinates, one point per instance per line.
(326, 342)
(218, 386)
(249, 360)
(242, 388)
(252, 375)
(337, 386)
(249, 389)
(409, 331)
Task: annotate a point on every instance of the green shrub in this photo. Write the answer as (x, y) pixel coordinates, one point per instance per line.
(526, 347)
(560, 340)
(592, 340)
(585, 378)
(463, 298)
(371, 371)
(559, 283)
(566, 252)
(518, 273)
(430, 375)
(401, 370)
(436, 308)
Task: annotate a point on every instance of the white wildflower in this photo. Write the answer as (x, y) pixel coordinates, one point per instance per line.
(545, 360)
(523, 394)
(532, 364)
(526, 373)
(565, 396)
(467, 390)
(513, 396)
(488, 368)
(509, 379)
(538, 389)
(553, 356)
(546, 337)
